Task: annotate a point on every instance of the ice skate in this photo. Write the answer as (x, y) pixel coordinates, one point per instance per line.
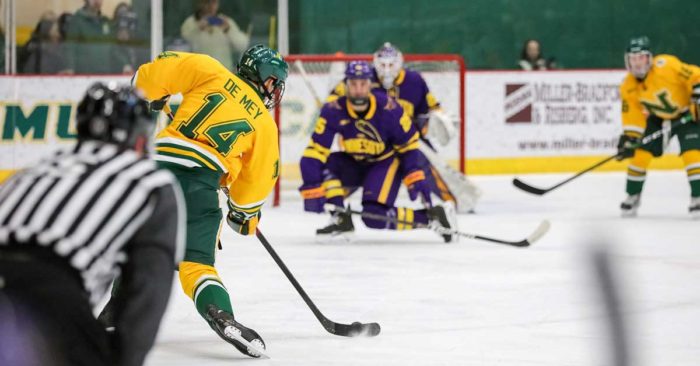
(340, 228)
(630, 205)
(443, 217)
(244, 339)
(694, 208)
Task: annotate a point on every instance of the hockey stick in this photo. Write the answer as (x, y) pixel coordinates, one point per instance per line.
(651, 137)
(352, 330)
(307, 82)
(536, 235)
(539, 191)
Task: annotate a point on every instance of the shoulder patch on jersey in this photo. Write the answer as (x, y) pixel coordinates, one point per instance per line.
(660, 62)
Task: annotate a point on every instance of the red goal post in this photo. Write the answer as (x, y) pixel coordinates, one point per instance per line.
(293, 115)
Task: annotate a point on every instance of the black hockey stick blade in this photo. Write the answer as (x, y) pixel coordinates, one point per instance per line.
(538, 191)
(355, 329)
(528, 188)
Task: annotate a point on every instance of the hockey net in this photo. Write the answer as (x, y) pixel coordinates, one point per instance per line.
(313, 77)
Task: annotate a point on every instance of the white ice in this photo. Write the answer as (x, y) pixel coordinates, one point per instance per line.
(470, 303)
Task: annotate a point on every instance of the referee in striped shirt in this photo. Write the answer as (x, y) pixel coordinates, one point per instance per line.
(73, 223)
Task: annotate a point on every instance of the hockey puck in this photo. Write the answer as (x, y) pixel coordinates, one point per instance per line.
(358, 329)
(373, 329)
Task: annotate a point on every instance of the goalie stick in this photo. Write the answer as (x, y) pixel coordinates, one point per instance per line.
(651, 137)
(539, 232)
(307, 82)
(464, 191)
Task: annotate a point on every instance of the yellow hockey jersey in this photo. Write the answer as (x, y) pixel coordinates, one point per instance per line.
(221, 125)
(665, 93)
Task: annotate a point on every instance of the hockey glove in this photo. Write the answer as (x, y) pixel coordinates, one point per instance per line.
(626, 146)
(442, 127)
(243, 223)
(418, 186)
(158, 105)
(314, 197)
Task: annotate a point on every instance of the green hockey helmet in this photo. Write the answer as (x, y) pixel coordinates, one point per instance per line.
(266, 70)
(638, 56)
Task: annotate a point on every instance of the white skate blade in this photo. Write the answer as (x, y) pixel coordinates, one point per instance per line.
(254, 349)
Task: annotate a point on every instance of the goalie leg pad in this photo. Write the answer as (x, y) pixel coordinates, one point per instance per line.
(463, 191)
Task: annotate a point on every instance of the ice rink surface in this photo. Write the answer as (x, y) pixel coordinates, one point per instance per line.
(469, 303)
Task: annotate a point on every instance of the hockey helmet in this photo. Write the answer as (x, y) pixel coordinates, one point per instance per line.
(638, 57)
(115, 114)
(261, 65)
(388, 61)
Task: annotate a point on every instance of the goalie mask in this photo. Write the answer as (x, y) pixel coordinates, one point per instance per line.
(638, 57)
(358, 79)
(388, 61)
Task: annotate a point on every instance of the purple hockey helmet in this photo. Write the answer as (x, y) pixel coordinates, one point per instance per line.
(358, 70)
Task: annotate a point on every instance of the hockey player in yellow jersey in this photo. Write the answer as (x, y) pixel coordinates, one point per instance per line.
(657, 89)
(221, 135)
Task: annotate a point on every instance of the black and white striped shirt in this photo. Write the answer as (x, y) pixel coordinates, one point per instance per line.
(88, 204)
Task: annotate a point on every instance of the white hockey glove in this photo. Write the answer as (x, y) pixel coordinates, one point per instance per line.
(442, 126)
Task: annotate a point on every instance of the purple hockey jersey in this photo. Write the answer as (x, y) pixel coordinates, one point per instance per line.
(412, 92)
(384, 131)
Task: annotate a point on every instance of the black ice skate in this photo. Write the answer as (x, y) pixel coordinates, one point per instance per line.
(630, 205)
(694, 208)
(244, 339)
(442, 218)
(340, 227)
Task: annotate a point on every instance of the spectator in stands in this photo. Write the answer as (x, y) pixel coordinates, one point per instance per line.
(89, 41)
(127, 53)
(43, 53)
(215, 34)
(531, 57)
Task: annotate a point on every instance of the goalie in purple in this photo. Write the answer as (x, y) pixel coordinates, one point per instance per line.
(379, 149)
